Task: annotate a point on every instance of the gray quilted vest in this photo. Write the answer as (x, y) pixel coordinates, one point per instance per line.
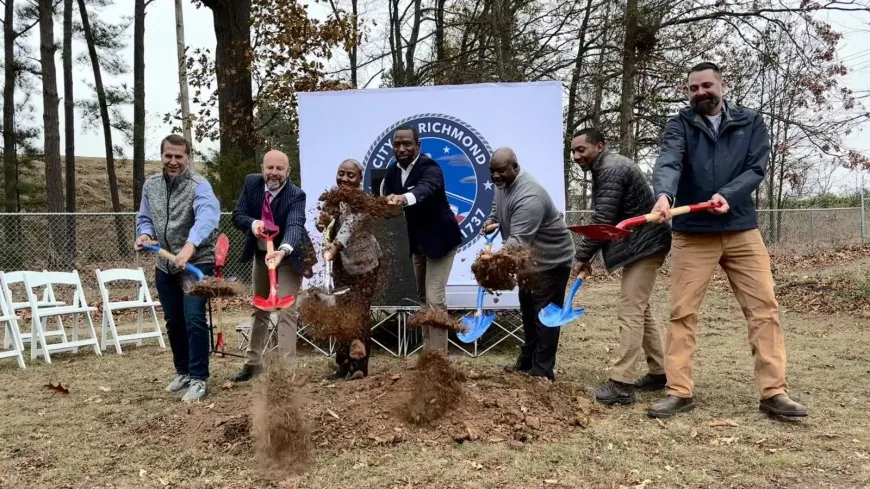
(171, 206)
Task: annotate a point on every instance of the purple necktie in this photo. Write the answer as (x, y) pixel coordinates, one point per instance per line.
(268, 219)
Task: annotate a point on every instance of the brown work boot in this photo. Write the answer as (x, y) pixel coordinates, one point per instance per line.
(782, 405)
(670, 406)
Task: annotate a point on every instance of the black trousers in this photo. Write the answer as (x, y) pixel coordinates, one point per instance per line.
(538, 354)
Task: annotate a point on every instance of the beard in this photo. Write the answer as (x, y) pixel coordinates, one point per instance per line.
(705, 104)
(272, 184)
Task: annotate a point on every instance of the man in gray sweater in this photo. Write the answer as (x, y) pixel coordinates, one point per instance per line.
(528, 217)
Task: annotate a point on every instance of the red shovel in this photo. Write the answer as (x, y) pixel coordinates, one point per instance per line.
(606, 232)
(221, 250)
(272, 303)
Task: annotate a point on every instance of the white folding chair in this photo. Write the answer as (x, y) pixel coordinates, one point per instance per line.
(79, 306)
(48, 300)
(143, 302)
(15, 346)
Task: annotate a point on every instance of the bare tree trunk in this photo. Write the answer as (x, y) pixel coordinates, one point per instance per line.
(354, 48)
(396, 44)
(122, 241)
(181, 48)
(410, 51)
(629, 69)
(439, 42)
(232, 28)
(572, 98)
(10, 148)
(138, 102)
(69, 118)
(51, 121)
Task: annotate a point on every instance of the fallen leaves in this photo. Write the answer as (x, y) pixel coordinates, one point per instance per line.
(332, 413)
(723, 423)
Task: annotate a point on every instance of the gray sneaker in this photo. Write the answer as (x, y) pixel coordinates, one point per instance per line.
(178, 383)
(197, 391)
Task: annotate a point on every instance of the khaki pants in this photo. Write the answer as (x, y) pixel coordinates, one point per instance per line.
(289, 282)
(432, 278)
(638, 331)
(744, 259)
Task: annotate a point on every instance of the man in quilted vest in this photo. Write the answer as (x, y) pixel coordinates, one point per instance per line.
(620, 191)
(180, 212)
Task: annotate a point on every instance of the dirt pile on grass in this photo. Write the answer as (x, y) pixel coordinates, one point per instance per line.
(212, 287)
(279, 430)
(436, 318)
(437, 389)
(503, 269)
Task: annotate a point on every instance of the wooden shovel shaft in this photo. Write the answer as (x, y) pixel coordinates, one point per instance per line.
(655, 216)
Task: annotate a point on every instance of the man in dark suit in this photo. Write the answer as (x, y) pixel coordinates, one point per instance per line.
(271, 197)
(417, 183)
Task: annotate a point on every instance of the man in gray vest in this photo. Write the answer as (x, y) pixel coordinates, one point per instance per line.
(527, 216)
(180, 212)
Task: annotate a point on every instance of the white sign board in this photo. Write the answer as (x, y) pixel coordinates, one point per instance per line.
(459, 127)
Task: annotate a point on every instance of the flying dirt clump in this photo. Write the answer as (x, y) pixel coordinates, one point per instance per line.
(342, 321)
(501, 270)
(212, 287)
(358, 201)
(437, 389)
(281, 438)
(435, 318)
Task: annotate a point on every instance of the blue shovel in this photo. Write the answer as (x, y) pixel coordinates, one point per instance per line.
(169, 256)
(553, 316)
(476, 326)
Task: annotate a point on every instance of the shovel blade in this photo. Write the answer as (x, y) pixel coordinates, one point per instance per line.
(601, 232)
(475, 327)
(553, 316)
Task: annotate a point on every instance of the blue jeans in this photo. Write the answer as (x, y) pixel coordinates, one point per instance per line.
(186, 325)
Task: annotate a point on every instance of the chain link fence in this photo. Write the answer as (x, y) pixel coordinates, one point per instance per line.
(105, 240)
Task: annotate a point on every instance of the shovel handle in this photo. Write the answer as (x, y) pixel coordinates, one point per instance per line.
(676, 211)
(270, 247)
(169, 256)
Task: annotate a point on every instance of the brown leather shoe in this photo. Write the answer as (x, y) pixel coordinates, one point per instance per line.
(782, 405)
(670, 406)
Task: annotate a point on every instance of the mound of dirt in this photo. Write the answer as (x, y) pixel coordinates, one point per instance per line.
(358, 201)
(435, 318)
(501, 270)
(212, 287)
(437, 389)
(280, 433)
(342, 321)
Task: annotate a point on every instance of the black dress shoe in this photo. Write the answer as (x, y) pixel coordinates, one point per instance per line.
(782, 405)
(651, 382)
(247, 373)
(670, 406)
(614, 392)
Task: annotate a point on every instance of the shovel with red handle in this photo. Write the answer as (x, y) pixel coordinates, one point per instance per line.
(221, 250)
(272, 303)
(606, 232)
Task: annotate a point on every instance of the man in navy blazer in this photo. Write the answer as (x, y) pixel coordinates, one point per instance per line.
(417, 183)
(271, 196)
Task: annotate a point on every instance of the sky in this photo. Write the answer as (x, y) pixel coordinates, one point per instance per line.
(161, 75)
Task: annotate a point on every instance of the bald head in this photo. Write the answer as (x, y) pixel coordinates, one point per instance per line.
(504, 167)
(276, 169)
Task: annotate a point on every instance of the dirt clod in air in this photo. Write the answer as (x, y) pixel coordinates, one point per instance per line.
(502, 269)
(437, 389)
(281, 437)
(358, 201)
(343, 321)
(435, 318)
(212, 287)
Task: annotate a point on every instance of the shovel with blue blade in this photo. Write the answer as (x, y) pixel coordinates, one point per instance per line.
(169, 256)
(554, 316)
(476, 325)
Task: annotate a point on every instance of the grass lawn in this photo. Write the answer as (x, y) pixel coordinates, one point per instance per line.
(118, 428)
